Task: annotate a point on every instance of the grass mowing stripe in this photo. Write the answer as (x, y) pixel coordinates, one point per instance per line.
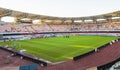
(59, 48)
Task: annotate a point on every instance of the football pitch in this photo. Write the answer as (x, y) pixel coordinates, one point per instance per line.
(58, 49)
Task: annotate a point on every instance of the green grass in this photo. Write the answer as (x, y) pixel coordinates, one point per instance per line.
(59, 48)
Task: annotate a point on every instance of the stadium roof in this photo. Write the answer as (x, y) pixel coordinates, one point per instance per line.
(63, 8)
(18, 14)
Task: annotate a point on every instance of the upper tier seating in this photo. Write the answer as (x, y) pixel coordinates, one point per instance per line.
(53, 27)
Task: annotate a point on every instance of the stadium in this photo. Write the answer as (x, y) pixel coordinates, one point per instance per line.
(59, 43)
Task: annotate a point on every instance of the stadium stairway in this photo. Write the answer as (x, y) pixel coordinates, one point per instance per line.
(33, 29)
(103, 56)
(27, 29)
(14, 27)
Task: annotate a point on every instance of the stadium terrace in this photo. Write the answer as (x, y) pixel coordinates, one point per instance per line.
(40, 42)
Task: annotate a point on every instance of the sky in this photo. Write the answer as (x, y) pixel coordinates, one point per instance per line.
(63, 8)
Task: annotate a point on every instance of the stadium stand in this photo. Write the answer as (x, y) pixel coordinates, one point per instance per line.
(58, 28)
(101, 58)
